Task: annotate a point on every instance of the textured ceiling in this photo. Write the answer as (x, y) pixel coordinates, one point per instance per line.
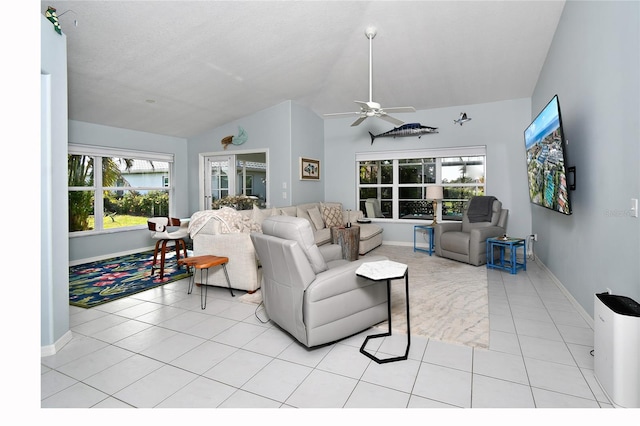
(180, 68)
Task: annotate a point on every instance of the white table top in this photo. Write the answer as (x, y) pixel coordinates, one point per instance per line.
(382, 270)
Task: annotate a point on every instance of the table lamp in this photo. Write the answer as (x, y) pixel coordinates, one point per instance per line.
(434, 193)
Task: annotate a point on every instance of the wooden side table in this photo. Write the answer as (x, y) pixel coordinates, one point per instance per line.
(205, 262)
(349, 240)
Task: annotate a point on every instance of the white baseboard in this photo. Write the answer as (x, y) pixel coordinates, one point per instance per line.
(108, 256)
(398, 243)
(59, 344)
(562, 288)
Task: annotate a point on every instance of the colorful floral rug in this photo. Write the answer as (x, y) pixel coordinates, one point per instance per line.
(95, 283)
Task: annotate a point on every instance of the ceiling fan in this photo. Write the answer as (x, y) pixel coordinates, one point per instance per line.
(373, 109)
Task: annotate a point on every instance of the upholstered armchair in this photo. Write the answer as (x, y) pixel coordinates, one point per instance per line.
(466, 241)
(159, 227)
(310, 291)
(372, 206)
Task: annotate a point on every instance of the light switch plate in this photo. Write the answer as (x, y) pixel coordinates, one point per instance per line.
(634, 207)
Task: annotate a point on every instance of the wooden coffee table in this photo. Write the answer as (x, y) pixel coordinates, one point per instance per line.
(204, 263)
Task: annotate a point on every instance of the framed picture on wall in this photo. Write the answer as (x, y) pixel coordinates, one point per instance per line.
(309, 169)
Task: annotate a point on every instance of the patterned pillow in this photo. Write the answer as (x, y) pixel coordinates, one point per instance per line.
(323, 205)
(332, 216)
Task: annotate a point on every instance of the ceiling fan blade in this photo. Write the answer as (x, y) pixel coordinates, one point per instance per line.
(359, 120)
(335, 114)
(390, 119)
(400, 109)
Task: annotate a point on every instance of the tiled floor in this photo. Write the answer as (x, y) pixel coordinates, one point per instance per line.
(159, 349)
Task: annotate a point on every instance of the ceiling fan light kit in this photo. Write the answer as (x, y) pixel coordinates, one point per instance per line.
(370, 108)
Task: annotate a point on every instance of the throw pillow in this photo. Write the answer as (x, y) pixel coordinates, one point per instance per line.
(332, 216)
(337, 205)
(259, 215)
(316, 218)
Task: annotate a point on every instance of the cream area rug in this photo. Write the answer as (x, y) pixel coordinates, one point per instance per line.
(448, 300)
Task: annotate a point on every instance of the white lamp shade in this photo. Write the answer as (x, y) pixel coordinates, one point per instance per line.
(434, 193)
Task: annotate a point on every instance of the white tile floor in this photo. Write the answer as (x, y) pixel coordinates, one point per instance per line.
(159, 349)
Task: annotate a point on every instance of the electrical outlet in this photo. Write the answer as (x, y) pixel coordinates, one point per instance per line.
(535, 237)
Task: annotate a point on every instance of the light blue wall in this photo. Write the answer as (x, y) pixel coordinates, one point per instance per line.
(307, 140)
(267, 129)
(593, 66)
(54, 273)
(97, 246)
(288, 131)
(498, 125)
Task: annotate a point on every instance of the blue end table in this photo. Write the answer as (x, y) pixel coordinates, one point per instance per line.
(506, 264)
(427, 229)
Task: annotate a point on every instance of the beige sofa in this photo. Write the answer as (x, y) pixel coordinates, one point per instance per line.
(225, 232)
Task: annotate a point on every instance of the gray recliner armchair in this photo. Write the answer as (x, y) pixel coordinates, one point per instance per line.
(466, 241)
(311, 292)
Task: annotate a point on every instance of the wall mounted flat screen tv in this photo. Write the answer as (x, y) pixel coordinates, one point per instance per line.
(546, 160)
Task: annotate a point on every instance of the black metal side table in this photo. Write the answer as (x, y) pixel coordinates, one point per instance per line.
(387, 270)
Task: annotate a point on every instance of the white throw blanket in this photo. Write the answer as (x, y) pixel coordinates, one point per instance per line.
(231, 221)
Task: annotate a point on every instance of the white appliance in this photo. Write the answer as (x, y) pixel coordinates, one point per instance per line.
(617, 348)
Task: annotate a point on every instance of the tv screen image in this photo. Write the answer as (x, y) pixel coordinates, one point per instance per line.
(546, 160)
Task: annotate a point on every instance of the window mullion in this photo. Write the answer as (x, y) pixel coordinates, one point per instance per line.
(395, 192)
(171, 190)
(98, 202)
(438, 212)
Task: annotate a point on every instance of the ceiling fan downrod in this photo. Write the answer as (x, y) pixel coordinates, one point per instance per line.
(370, 32)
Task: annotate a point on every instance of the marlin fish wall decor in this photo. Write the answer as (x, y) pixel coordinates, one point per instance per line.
(411, 129)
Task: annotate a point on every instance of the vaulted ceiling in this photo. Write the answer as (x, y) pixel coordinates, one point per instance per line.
(180, 68)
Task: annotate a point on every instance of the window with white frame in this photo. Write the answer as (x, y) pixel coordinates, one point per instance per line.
(116, 189)
(398, 181)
